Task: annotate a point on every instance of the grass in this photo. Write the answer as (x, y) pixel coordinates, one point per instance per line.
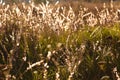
(42, 42)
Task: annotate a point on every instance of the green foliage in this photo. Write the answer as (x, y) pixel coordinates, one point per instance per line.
(40, 52)
(101, 53)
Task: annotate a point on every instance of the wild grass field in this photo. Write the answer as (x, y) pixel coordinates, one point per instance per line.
(61, 41)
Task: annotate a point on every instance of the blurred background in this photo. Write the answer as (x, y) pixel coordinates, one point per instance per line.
(38, 1)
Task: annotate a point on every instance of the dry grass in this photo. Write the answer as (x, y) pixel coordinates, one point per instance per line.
(62, 41)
